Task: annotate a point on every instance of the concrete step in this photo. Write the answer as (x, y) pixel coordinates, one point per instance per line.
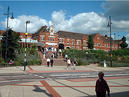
(60, 61)
(57, 62)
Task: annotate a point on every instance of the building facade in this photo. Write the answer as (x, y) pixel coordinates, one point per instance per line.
(47, 39)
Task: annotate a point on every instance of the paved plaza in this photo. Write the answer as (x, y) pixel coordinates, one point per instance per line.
(42, 81)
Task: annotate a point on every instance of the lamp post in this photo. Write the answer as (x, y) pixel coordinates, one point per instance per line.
(7, 14)
(109, 25)
(25, 59)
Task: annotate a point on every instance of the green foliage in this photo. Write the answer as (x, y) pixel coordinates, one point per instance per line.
(90, 42)
(124, 44)
(32, 57)
(120, 52)
(98, 56)
(10, 41)
(32, 50)
(1, 61)
(15, 52)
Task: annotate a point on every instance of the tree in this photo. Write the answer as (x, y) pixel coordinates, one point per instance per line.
(10, 44)
(123, 44)
(90, 42)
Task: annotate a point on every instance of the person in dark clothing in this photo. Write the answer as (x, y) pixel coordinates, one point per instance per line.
(51, 62)
(101, 86)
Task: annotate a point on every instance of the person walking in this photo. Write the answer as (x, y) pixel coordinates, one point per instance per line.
(48, 61)
(68, 63)
(101, 86)
(74, 64)
(51, 61)
(60, 52)
(66, 57)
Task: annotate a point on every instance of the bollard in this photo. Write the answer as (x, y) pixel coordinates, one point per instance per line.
(105, 65)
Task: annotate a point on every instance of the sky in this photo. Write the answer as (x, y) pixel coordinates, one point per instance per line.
(86, 16)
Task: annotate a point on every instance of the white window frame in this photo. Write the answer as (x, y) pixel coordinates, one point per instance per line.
(51, 38)
(42, 37)
(78, 42)
(68, 41)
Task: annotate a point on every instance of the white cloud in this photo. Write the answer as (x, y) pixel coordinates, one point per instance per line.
(121, 24)
(19, 23)
(87, 22)
(82, 22)
(127, 38)
(58, 17)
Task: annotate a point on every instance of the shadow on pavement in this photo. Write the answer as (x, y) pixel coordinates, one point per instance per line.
(120, 94)
(73, 88)
(37, 89)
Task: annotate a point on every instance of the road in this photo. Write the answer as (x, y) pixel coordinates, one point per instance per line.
(8, 78)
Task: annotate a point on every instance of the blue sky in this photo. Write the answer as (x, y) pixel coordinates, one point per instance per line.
(76, 16)
(45, 9)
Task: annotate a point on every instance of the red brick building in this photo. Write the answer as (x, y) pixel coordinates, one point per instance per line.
(46, 39)
(79, 41)
(103, 42)
(72, 40)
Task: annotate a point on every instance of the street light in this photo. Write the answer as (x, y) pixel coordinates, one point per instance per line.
(25, 59)
(7, 14)
(109, 25)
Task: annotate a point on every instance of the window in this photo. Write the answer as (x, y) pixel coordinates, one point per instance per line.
(97, 37)
(67, 41)
(61, 40)
(78, 42)
(51, 39)
(78, 47)
(106, 45)
(84, 42)
(73, 41)
(42, 38)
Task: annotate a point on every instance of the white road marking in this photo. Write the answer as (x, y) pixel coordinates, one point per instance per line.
(8, 81)
(38, 76)
(69, 74)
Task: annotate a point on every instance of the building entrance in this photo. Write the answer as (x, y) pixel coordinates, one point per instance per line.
(61, 46)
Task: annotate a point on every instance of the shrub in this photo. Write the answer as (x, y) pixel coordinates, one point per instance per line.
(98, 56)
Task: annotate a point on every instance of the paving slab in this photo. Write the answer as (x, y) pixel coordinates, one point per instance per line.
(85, 87)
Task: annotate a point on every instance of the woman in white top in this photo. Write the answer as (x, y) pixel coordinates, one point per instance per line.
(48, 61)
(68, 63)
